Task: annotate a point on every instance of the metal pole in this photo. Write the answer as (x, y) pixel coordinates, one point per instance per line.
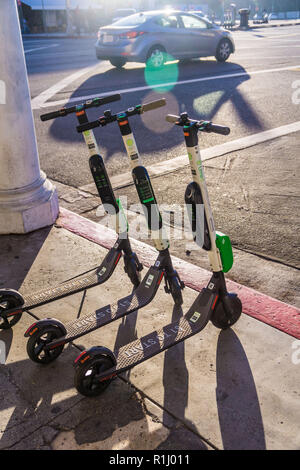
(28, 201)
(69, 29)
(44, 19)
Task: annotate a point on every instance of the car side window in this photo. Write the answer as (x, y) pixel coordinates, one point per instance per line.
(169, 21)
(193, 22)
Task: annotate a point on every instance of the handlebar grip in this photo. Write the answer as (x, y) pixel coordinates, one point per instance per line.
(153, 105)
(87, 126)
(52, 115)
(219, 129)
(172, 118)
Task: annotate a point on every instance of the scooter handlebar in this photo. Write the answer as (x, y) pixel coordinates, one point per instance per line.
(217, 129)
(205, 126)
(94, 103)
(172, 118)
(153, 105)
(88, 126)
(53, 115)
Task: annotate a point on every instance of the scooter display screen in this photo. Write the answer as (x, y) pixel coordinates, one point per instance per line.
(146, 195)
(103, 184)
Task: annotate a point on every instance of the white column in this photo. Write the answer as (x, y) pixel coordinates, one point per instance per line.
(69, 29)
(28, 200)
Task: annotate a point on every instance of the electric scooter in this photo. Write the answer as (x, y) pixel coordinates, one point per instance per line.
(144, 188)
(48, 337)
(12, 303)
(96, 367)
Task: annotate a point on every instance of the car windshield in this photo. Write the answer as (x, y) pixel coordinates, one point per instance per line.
(132, 20)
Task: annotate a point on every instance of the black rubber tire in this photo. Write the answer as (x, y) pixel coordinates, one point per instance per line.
(85, 384)
(224, 50)
(220, 318)
(160, 59)
(10, 300)
(50, 333)
(119, 62)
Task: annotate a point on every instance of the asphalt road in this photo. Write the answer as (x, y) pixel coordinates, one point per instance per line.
(253, 94)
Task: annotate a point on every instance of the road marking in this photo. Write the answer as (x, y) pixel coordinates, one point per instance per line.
(40, 48)
(174, 164)
(269, 47)
(40, 101)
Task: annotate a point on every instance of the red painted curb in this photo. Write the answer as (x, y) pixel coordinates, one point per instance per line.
(273, 312)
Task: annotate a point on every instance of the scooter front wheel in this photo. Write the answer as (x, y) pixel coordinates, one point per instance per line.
(37, 342)
(85, 379)
(9, 299)
(224, 316)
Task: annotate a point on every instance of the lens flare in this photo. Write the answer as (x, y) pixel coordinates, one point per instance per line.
(156, 120)
(161, 72)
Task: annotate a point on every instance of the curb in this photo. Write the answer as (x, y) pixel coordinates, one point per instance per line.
(57, 36)
(274, 25)
(262, 307)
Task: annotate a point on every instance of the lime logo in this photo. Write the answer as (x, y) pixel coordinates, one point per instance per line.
(129, 142)
(199, 163)
(87, 133)
(195, 317)
(190, 156)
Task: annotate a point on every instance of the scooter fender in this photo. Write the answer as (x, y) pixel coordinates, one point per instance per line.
(92, 353)
(16, 295)
(40, 324)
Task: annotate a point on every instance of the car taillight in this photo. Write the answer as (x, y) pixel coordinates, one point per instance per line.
(131, 34)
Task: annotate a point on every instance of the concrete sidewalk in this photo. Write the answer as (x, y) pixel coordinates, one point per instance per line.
(235, 389)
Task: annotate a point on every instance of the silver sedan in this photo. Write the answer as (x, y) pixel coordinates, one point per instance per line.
(153, 36)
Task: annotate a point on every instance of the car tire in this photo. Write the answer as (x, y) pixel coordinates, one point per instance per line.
(223, 51)
(119, 62)
(156, 57)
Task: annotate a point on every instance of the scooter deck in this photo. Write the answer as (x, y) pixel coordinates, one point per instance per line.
(154, 343)
(84, 281)
(142, 296)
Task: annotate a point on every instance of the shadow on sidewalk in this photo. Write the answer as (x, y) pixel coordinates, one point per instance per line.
(18, 253)
(240, 418)
(176, 390)
(39, 402)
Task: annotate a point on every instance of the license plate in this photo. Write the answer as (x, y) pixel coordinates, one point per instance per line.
(108, 38)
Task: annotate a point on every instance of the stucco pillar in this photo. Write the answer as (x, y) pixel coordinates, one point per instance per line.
(28, 200)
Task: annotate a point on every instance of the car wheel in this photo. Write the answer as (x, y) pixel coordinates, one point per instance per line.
(118, 62)
(223, 50)
(156, 57)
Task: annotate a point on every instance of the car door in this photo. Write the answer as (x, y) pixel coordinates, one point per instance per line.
(199, 39)
(169, 34)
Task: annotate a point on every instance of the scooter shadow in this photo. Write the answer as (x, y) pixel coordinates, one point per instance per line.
(18, 253)
(38, 403)
(240, 418)
(202, 101)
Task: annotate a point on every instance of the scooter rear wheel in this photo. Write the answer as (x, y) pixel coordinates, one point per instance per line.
(85, 379)
(9, 299)
(36, 345)
(221, 318)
